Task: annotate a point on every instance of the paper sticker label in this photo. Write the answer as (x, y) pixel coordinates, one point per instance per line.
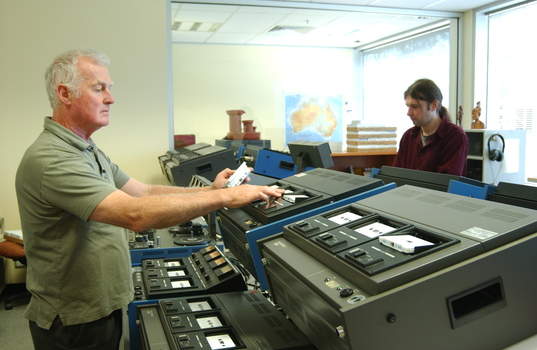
(479, 233)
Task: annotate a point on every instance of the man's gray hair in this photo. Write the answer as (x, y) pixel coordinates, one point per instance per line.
(64, 70)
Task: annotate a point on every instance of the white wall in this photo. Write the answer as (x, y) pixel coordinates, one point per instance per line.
(210, 79)
(132, 34)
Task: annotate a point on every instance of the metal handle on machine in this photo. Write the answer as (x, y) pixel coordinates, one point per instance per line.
(340, 331)
(204, 167)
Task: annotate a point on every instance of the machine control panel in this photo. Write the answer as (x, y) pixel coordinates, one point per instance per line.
(224, 321)
(294, 200)
(208, 270)
(352, 238)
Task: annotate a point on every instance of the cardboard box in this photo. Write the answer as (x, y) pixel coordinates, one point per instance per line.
(355, 128)
(372, 135)
(372, 142)
(387, 149)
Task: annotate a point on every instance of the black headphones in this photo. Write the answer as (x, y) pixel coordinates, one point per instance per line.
(494, 154)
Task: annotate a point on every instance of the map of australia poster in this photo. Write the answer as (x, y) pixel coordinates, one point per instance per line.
(314, 118)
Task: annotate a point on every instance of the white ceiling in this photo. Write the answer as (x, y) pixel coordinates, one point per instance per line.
(325, 23)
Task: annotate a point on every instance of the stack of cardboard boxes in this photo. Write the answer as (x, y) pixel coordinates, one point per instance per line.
(371, 138)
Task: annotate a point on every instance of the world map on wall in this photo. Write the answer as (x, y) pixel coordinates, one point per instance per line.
(311, 118)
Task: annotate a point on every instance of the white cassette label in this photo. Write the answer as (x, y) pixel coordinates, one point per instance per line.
(221, 341)
(200, 306)
(176, 273)
(181, 284)
(374, 230)
(209, 322)
(344, 218)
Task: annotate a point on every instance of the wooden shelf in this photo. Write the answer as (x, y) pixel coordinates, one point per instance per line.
(354, 154)
(343, 160)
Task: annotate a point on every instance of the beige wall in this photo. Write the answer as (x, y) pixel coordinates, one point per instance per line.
(133, 34)
(210, 79)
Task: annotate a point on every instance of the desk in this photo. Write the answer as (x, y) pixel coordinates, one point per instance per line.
(364, 160)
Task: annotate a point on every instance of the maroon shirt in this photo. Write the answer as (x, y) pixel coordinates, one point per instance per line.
(445, 152)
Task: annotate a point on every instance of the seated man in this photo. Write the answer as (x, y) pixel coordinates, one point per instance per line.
(434, 143)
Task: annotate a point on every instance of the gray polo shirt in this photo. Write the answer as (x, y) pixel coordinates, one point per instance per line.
(77, 269)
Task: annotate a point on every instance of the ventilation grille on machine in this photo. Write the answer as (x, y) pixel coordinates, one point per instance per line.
(262, 309)
(405, 192)
(287, 336)
(433, 199)
(273, 321)
(251, 297)
(504, 215)
(465, 206)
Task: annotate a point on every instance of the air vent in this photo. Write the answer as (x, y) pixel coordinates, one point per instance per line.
(195, 26)
(433, 199)
(465, 206)
(262, 309)
(301, 30)
(405, 192)
(505, 215)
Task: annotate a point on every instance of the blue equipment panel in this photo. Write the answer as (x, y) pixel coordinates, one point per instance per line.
(275, 164)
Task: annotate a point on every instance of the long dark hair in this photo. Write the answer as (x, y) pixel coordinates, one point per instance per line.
(426, 90)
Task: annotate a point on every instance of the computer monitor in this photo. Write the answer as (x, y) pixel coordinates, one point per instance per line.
(515, 194)
(419, 178)
(310, 154)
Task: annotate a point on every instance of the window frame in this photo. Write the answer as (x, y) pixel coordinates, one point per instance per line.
(480, 54)
(456, 59)
(480, 68)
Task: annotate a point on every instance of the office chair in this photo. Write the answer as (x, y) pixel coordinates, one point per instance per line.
(13, 251)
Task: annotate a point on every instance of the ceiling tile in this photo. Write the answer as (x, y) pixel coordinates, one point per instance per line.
(414, 4)
(190, 37)
(246, 23)
(208, 7)
(202, 16)
(230, 38)
(340, 26)
(457, 5)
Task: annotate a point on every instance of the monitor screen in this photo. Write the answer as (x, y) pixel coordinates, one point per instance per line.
(310, 154)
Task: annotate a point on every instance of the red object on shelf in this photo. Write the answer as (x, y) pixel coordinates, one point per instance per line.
(180, 141)
(236, 131)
